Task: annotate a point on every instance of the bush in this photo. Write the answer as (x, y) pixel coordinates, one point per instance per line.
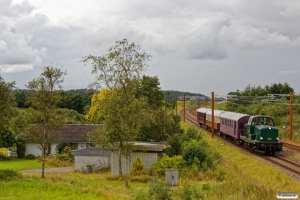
(158, 189)
(200, 150)
(8, 174)
(167, 162)
(175, 145)
(66, 155)
(29, 157)
(137, 167)
(142, 195)
(188, 192)
(61, 146)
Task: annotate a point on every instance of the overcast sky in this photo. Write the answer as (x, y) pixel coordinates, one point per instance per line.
(198, 46)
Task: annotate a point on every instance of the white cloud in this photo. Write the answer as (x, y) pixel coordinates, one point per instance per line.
(16, 31)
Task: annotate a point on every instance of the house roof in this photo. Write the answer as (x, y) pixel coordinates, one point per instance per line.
(73, 133)
(76, 132)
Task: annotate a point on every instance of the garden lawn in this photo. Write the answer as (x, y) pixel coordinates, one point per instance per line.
(20, 164)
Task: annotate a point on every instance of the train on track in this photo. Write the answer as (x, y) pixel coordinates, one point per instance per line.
(257, 133)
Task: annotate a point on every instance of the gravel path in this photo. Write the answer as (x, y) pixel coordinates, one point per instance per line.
(50, 169)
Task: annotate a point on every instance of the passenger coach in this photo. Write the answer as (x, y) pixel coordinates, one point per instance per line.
(233, 124)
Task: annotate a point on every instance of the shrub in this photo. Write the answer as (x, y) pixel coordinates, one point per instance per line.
(188, 192)
(29, 157)
(175, 145)
(192, 133)
(137, 167)
(206, 156)
(158, 189)
(167, 162)
(66, 155)
(8, 174)
(140, 194)
(61, 146)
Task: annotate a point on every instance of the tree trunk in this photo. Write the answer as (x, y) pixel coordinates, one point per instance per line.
(43, 163)
(120, 163)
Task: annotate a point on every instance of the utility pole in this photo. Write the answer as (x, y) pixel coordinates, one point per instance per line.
(176, 106)
(227, 105)
(291, 115)
(198, 103)
(212, 115)
(206, 99)
(165, 113)
(184, 108)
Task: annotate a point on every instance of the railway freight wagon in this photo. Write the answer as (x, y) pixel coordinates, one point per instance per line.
(233, 124)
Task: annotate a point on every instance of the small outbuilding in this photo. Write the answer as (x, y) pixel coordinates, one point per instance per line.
(94, 157)
(148, 152)
(98, 158)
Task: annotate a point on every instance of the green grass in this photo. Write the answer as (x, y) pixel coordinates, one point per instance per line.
(68, 186)
(20, 164)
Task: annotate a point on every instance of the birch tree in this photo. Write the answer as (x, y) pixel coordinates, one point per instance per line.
(119, 71)
(44, 98)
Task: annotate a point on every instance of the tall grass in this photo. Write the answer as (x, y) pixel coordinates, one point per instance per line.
(68, 186)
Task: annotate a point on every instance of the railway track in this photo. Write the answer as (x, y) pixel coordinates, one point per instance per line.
(291, 146)
(191, 117)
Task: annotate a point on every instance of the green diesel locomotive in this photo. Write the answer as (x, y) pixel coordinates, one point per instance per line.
(261, 135)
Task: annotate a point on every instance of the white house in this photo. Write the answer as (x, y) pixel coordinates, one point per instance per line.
(74, 134)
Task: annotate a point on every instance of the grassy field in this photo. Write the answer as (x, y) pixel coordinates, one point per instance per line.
(68, 186)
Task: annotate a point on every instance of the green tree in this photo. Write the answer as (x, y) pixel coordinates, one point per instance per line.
(7, 105)
(151, 91)
(44, 98)
(120, 71)
(21, 98)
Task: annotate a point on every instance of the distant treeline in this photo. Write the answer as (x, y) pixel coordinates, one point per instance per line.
(80, 99)
(76, 99)
(171, 94)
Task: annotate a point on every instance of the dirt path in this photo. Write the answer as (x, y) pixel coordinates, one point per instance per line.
(50, 169)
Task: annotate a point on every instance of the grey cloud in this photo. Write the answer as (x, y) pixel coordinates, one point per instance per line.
(254, 39)
(205, 42)
(30, 23)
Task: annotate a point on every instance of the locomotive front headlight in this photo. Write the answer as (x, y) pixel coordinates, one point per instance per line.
(261, 138)
(277, 138)
(270, 127)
